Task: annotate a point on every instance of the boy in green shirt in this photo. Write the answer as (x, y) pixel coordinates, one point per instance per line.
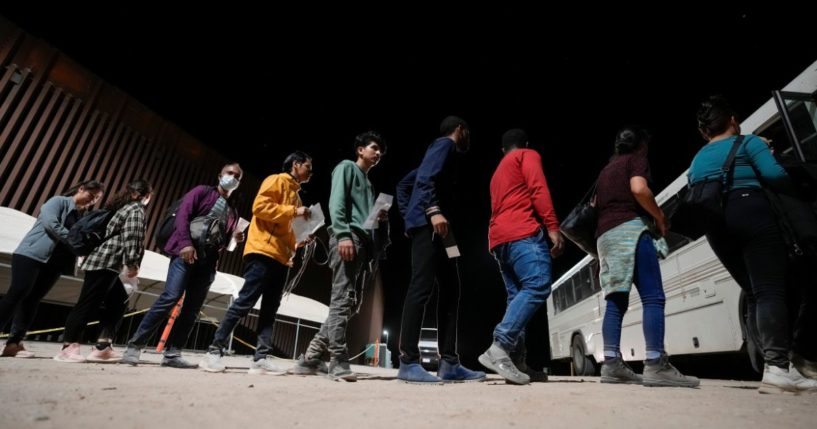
(350, 251)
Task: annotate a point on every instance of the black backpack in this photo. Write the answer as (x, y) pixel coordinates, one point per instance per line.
(89, 231)
(167, 224)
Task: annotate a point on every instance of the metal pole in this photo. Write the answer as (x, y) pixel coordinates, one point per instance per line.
(297, 332)
(230, 344)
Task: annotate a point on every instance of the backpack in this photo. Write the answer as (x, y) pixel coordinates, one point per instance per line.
(166, 225)
(89, 231)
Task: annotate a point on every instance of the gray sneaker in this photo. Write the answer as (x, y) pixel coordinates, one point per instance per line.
(616, 371)
(265, 366)
(178, 362)
(211, 362)
(340, 370)
(496, 359)
(131, 356)
(663, 374)
(304, 366)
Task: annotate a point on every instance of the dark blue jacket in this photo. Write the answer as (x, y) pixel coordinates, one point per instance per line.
(430, 186)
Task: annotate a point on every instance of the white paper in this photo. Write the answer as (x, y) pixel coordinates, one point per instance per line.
(131, 284)
(383, 202)
(241, 226)
(303, 228)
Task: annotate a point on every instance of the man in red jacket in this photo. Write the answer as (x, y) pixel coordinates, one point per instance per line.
(521, 211)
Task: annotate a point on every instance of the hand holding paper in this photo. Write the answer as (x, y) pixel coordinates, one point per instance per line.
(383, 202)
(303, 227)
(241, 226)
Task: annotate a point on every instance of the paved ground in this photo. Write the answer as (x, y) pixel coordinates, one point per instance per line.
(42, 393)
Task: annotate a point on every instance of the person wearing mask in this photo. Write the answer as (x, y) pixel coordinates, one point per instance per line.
(192, 269)
(125, 247)
(749, 242)
(628, 255)
(425, 198)
(39, 260)
(267, 257)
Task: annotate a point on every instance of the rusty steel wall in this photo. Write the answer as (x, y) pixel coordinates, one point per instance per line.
(60, 124)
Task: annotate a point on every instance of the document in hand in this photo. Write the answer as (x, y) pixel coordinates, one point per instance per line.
(241, 226)
(383, 202)
(303, 228)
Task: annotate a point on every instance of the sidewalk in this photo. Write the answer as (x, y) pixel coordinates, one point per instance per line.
(43, 393)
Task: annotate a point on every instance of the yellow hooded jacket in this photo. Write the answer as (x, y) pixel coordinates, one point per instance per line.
(273, 210)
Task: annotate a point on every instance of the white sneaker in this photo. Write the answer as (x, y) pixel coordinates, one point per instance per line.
(265, 366)
(780, 380)
(211, 362)
(70, 354)
(804, 366)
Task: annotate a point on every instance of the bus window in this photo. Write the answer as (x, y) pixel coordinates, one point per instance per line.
(583, 284)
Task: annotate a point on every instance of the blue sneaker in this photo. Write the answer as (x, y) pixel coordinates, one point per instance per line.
(415, 374)
(456, 373)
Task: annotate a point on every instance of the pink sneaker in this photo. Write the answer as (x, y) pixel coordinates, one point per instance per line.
(17, 350)
(70, 354)
(107, 355)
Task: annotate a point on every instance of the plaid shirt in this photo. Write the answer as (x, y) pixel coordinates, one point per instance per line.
(125, 248)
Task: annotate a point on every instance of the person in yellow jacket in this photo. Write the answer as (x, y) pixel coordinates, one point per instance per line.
(267, 253)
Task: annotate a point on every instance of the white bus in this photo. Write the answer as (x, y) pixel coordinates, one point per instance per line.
(704, 307)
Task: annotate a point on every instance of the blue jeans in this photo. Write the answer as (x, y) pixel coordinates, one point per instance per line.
(262, 276)
(192, 280)
(647, 279)
(526, 270)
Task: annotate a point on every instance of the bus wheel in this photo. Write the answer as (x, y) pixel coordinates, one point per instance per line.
(750, 340)
(582, 364)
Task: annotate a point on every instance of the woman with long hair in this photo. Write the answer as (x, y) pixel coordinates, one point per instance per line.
(121, 252)
(40, 259)
(749, 243)
(628, 255)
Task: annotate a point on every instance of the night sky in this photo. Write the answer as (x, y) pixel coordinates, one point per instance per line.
(258, 85)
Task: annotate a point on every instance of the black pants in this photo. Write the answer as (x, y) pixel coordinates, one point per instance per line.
(429, 262)
(99, 286)
(30, 282)
(752, 250)
(802, 294)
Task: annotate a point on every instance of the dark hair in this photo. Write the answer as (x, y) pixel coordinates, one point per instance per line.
(630, 139)
(297, 156)
(714, 115)
(363, 140)
(119, 200)
(450, 124)
(233, 163)
(514, 138)
(88, 185)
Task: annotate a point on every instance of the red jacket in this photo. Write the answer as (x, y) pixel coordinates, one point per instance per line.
(520, 199)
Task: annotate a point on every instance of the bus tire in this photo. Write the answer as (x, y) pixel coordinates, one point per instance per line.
(751, 344)
(582, 364)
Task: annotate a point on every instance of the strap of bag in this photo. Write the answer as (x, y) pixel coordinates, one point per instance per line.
(727, 172)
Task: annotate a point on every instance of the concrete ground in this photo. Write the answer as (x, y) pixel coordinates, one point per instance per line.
(43, 393)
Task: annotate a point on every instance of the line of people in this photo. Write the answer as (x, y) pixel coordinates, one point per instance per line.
(523, 237)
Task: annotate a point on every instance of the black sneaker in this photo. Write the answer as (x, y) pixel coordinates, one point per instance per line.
(616, 371)
(178, 362)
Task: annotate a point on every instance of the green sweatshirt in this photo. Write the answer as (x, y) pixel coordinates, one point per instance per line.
(351, 200)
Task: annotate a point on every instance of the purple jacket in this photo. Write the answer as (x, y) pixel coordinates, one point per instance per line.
(198, 202)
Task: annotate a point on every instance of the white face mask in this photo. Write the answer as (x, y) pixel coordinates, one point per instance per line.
(146, 201)
(228, 182)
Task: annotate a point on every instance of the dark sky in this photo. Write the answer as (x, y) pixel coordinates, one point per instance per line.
(259, 83)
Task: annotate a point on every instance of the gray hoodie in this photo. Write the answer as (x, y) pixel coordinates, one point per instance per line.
(40, 242)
